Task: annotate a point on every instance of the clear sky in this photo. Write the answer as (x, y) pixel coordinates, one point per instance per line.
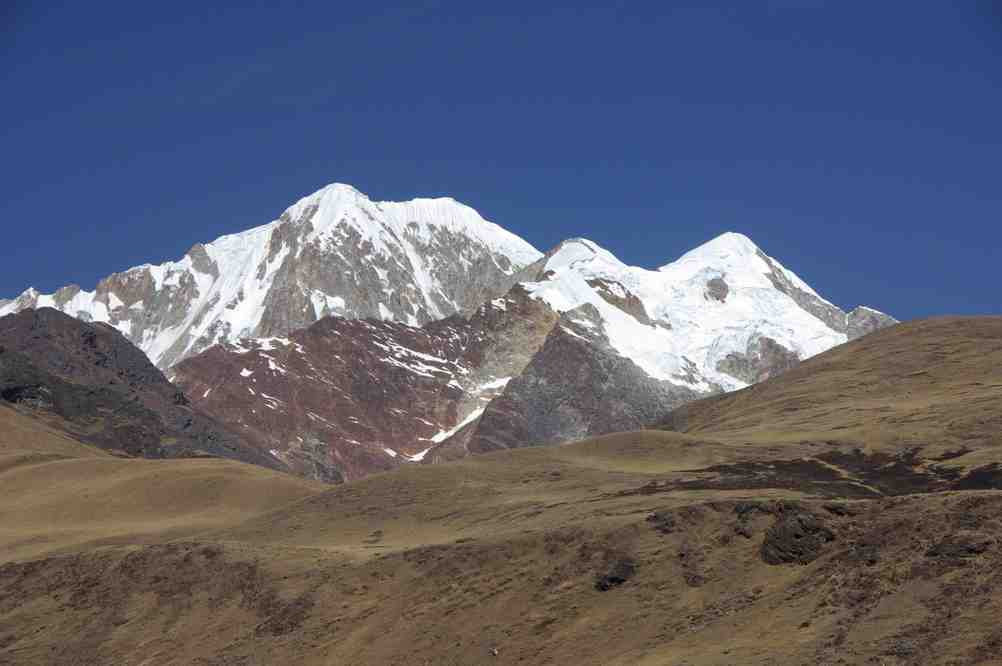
(860, 143)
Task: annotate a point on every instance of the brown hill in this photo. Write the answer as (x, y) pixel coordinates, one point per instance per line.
(929, 388)
(743, 547)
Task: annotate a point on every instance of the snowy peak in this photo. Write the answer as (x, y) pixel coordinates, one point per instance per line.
(739, 257)
(727, 247)
(338, 206)
(332, 252)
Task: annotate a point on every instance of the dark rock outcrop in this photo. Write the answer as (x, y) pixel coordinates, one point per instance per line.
(618, 573)
(619, 296)
(864, 320)
(764, 358)
(831, 315)
(717, 289)
(963, 545)
(798, 536)
(859, 322)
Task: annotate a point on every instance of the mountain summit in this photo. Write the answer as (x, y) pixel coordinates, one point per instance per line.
(334, 252)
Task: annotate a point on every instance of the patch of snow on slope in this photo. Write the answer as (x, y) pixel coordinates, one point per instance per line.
(446, 434)
(499, 383)
(419, 456)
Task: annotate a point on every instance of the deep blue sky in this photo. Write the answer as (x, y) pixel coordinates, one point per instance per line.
(858, 142)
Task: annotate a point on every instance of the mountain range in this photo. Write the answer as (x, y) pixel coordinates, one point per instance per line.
(350, 336)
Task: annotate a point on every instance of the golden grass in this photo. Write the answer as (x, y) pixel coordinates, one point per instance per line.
(214, 562)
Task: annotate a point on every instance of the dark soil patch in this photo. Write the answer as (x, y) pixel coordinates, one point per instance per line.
(891, 475)
(988, 477)
(803, 475)
(847, 475)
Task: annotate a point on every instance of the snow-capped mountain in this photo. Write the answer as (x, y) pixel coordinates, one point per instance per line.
(334, 252)
(699, 320)
(582, 345)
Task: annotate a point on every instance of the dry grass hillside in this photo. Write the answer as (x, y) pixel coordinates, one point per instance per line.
(935, 384)
(769, 539)
(30, 435)
(58, 495)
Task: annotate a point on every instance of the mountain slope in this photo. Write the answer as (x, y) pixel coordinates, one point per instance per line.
(652, 547)
(332, 252)
(89, 381)
(344, 398)
(59, 494)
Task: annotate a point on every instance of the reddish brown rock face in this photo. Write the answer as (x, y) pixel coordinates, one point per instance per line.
(344, 398)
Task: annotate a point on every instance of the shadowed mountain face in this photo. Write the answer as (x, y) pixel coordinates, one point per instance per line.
(576, 386)
(96, 385)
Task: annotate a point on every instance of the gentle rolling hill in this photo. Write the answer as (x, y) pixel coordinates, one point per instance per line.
(58, 495)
